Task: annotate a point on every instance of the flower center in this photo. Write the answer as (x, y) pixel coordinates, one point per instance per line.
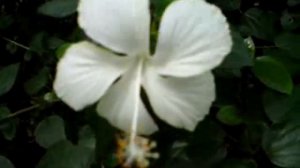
(137, 153)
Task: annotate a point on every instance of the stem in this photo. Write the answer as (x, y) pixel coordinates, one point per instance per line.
(20, 112)
(16, 43)
(137, 101)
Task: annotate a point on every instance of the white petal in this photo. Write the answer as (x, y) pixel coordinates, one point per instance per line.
(85, 73)
(118, 105)
(193, 38)
(181, 102)
(121, 25)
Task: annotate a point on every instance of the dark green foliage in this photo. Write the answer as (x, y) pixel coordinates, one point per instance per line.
(8, 76)
(273, 74)
(50, 131)
(254, 122)
(5, 163)
(58, 8)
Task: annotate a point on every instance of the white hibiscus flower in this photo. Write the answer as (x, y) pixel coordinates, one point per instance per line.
(193, 39)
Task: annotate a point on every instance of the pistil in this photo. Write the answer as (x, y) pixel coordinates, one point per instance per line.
(137, 83)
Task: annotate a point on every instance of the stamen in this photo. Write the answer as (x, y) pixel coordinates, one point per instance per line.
(135, 154)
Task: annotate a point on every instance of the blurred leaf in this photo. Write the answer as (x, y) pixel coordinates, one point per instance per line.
(8, 128)
(289, 42)
(55, 42)
(239, 56)
(8, 77)
(251, 46)
(229, 115)
(5, 163)
(178, 150)
(38, 42)
(293, 2)
(282, 145)
(50, 97)
(87, 137)
(11, 47)
(273, 74)
(260, 24)
(50, 131)
(238, 163)
(38, 82)
(58, 8)
(66, 155)
(252, 137)
(290, 21)
(5, 21)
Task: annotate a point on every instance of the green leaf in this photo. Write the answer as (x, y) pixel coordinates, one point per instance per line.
(39, 42)
(61, 50)
(8, 77)
(273, 74)
(50, 131)
(38, 82)
(87, 137)
(276, 105)
(293, 115)
(282, 145)
(260, 24)
(5, 163)
(252, 137)
(208, 149)
(282, 108)
(55, 42)
(8, 128)
(289, 42)
(239, 56)
(51, 97)
(104, 138)
(58, 8)
(285, 58)
(65, 155)
(229, 115)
